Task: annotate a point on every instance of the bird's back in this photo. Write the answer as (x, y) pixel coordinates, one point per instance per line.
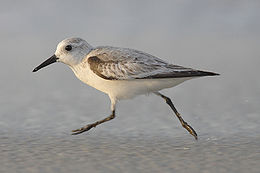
(113, 63)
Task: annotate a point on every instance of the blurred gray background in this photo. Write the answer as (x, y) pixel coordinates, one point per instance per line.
(38, 110)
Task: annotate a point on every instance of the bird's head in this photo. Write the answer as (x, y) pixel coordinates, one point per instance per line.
(70, 51)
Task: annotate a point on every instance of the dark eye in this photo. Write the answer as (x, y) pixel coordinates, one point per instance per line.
(68, 48)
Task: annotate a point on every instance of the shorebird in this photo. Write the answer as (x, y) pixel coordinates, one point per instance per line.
(121, 73)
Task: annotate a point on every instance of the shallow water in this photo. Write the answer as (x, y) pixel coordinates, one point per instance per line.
(39, 110)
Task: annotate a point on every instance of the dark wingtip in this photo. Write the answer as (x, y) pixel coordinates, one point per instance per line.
(35, 70)
(205, 73)
(211, 74)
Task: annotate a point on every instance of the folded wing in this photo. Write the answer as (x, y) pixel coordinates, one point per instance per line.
(126, 64)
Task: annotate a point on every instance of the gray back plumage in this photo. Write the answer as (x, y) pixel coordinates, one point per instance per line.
(113, 63)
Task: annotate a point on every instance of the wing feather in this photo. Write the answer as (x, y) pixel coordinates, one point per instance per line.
(113, 63)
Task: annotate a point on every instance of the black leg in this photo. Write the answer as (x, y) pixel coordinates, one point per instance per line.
(89, 126)
(183, 123)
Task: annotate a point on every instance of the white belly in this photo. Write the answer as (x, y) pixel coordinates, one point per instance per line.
(125, 89)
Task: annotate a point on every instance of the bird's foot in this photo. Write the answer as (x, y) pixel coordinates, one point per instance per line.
(83, 129)
(190, 129)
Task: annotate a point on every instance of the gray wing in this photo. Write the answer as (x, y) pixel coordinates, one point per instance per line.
(113, 63)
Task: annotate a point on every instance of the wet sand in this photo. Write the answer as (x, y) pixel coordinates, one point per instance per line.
(105, 152)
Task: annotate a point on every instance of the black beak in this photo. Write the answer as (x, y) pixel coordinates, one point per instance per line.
(49, 61)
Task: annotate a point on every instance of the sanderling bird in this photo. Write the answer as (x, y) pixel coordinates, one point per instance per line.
(122, 73)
